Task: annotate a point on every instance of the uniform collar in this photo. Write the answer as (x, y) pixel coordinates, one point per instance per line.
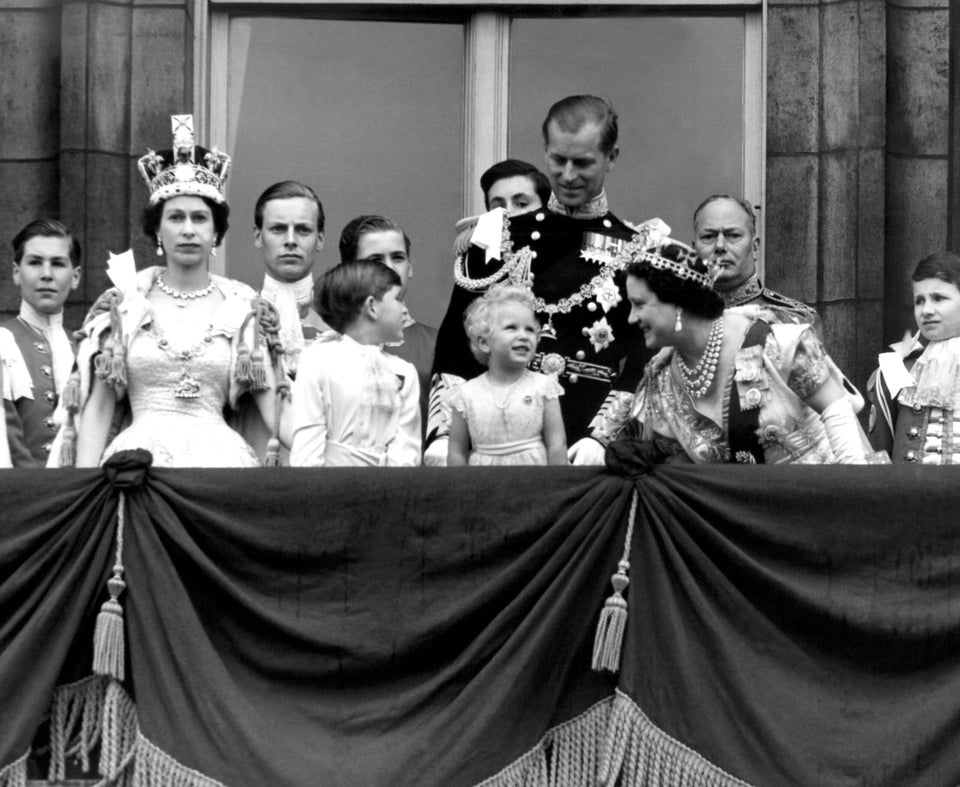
(594, 209)
(744, 293)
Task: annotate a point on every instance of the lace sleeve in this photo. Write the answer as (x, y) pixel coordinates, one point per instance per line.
(809, 368)
(456, 401)
(550, 388)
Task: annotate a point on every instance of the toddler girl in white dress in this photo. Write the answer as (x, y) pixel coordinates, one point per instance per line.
(508, 415)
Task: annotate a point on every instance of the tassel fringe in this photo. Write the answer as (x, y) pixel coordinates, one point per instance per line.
(612, 743)
(75, 714)
(608, 643)
(15, 774)
(119, 733)
(155, 768)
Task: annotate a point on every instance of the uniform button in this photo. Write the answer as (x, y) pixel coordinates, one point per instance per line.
(533, 255)
(535, 235)
(46, 371)
(50, 396)
(46, 447)
(607, 223)
(910, 456)
(48, 422)
(540, 216)
(913, 433)
(581, 355)
(40, 347)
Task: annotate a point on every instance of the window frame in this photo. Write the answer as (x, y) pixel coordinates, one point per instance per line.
(486, 70)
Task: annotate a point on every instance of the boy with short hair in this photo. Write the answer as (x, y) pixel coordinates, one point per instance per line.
(353, 404)
(46, 267)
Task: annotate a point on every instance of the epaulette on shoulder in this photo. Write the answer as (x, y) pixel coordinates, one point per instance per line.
(784, 302)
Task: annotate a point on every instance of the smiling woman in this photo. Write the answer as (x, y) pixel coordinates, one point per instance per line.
(726, 386)
(915, 392)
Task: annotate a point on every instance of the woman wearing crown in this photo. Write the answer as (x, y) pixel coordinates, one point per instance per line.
(725, 386)
(177, 343)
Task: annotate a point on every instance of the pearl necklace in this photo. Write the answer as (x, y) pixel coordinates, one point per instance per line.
(698, 380)
(182, 297)
(501, 406)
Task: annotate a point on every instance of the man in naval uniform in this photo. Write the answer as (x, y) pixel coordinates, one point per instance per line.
(382, 239)
(725, 230)
(570, 248)
(46, 267)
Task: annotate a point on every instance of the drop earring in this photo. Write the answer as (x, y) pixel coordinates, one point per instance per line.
(159, 247)
(678, 325)
(213, 251)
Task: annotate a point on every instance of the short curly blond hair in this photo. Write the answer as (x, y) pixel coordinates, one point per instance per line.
(478, 318)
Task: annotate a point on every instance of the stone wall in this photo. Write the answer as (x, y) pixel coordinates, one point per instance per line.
(88, 86)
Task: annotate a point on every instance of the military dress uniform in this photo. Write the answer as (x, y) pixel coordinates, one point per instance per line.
(782, 309)
(30, 423)
(581, 305)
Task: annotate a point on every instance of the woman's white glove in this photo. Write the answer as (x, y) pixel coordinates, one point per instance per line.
(843, 431)
(436, 453)
(586, 451)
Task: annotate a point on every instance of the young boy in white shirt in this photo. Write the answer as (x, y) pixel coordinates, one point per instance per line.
(353, 404)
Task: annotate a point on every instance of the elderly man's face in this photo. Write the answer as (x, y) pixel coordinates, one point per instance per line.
(289, 237)
(722, 233)
(576, 165)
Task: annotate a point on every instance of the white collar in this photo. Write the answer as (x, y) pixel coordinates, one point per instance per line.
(594, 209)
(38, 321)
(302, 289)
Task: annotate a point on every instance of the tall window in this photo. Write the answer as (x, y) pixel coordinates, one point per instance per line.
(398, 111)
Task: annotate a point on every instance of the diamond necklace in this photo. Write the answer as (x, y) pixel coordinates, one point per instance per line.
(182, 297)
(698, 380)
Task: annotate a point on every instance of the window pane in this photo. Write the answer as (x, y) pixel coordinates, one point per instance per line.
(677, 86)
(368, 113)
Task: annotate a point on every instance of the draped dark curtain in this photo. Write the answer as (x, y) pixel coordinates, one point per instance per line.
(299, 627)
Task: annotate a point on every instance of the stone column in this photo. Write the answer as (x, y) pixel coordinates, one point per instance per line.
(126, 67)
(29, 125)
(825, 168)
(917, 124)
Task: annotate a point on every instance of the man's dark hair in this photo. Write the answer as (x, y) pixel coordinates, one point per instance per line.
(150, 222)
(511, 168)
(362, 225)
(943, 265)
(339, 295)
(745, 206)
(287, 189)
(46, 228)
(573, 112)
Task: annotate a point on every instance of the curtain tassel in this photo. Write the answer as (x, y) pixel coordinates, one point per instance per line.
(608, 642)
(108, 647)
